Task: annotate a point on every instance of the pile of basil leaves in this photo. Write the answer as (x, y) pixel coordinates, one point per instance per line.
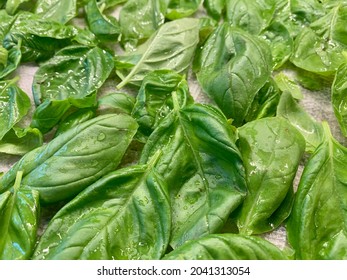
(147, 172)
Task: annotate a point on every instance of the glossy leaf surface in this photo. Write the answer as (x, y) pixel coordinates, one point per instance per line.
(56, 10)
(72, 161)
(202, 167)
(124, 215)
(271, 150)
(182, 8)
(227, 247)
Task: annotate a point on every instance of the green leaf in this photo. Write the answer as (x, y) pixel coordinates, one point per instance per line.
(251, 16)
(12, 6)
(215, 8)
(124, 215)
(154, 100)
(181, 8)
(14, 105)
(72, 161)
(19, 215)
(271, 150)
(339, 97)
(201, 165)
(99, 23)
(299, 118)
(285, 84)
(227, 247)
(171, 47)
(116, 102)
(56, 10)
(140, 19)
(233, 67)
(19, 141)
(317, 227)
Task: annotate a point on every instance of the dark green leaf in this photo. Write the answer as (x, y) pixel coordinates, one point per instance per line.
(171, 47)
(271, 150)
(154, 100)
(19, 214)
(233, 67)
(140, 19)
(72, 161)
(215, 8)
(227, 247)
(339, 97)
(201, 165)
(125, 215)
(299, 118)
(19, 141)
(181, 8)
(317, 227)
(14, 105)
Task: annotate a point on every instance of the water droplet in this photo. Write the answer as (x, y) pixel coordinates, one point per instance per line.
(101, 136)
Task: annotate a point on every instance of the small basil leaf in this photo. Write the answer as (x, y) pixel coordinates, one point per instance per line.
(227, 247)
(271, 150)
(201, 165)
(19, 214)
(171, 47)
(140, 19)
(338, 97)
(233, 67)
(12, 6)
(72, 161)
(285, 84)
(181, 8)
(215, 8)
(14, 105)
(19, 141)
(311, 130)
(154, 100)
(117, 102)
(56, 10)
(317, 227)
(124, 215)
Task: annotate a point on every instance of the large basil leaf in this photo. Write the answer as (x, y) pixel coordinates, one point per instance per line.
(56, 10)
(171, 47)
(19, 214)
(201, 165)
(252, 16)
(154, 100)
(124, 215)
(19, 141)
(339, 97)
(232, 67)
(140, 19)
(14, 105)
(227, 247)
(307, 11)
(320, 48)
(99, 23)
(182, 8)
(271, 150)
(72, 161)
(317, 227)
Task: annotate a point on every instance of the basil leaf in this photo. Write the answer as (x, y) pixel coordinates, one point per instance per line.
(12, 6)
(99, 23)
(227, 247)
(117, 102)
(19, 214)
(140, 19)
(154, 100)
(124, 215)
(285, 84)
(56, 10)
(233, 67)
(215, 8)
(307, 11)
(338, 97)
(19, 141)
(171, 47)
(271, 150)
(202, 166)
(72, 161)
(181, 8)
(299, 118)
(317, 227)
(14, 105)
(251, 16)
